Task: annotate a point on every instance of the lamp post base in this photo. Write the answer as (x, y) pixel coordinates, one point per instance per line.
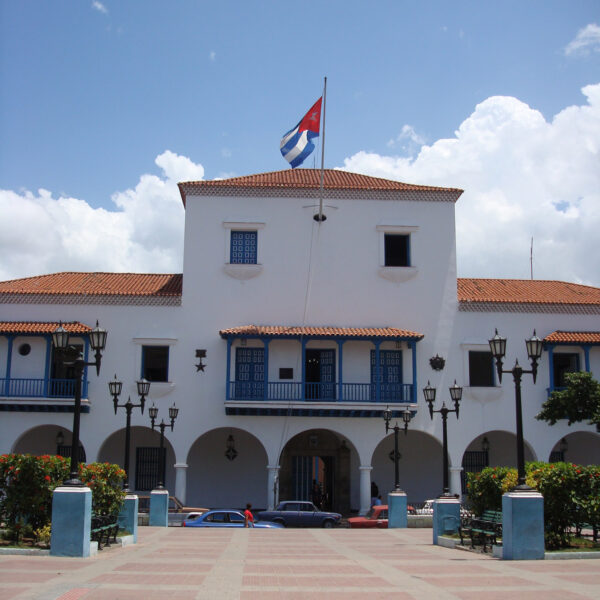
(397, 510)
(523, 526)
(446, 516)
(128, 517)
(71, 521)
(159, 508)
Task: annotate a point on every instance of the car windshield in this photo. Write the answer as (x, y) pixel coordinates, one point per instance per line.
(236, 518)
(369, 515)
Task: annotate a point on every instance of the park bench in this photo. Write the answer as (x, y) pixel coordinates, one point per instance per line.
(104, 529)
(484, 529)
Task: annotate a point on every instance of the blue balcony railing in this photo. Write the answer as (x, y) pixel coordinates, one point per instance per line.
(40, 388)
(319, 392)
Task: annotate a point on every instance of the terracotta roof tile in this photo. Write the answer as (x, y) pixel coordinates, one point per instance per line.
(35, 327)
(574, 337)
(319, 331)
(526, 291)
(100, 284)
(308, 179)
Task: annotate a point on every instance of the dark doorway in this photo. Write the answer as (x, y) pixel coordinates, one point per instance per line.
(62, 376)
(320, 374)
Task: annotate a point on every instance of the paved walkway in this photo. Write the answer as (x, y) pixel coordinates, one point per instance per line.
(253, 564)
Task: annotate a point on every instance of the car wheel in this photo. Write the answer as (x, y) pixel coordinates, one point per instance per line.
(328, 524)
(279, 522)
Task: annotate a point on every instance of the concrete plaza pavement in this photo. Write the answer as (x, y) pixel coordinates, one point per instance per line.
(251, 564)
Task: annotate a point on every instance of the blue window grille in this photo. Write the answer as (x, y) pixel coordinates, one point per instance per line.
(390, 375)
(243, 247)
(249, 373)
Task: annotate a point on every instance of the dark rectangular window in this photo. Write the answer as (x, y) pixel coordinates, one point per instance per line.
(155, 363)
(147, 467)
(481, 369)
(397, 250)
(243, 247)
(286, 373)
(564, 363)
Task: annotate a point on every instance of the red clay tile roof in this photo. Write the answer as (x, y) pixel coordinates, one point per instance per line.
(282, 331)
(573, 337)
(98, 284)
(526, 291)
(309, 179)
(7, 327)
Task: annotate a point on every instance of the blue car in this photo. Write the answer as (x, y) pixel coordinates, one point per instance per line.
(223, 518)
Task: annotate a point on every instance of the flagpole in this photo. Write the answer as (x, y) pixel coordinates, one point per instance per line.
(321, 217)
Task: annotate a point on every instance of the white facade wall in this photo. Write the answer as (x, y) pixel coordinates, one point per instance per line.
(331, 275)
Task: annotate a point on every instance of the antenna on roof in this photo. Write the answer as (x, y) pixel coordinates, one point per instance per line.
(531, 258)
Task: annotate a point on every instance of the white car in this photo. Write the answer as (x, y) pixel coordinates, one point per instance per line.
(427, 509)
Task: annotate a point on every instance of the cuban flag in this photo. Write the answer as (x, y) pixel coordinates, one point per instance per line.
(297, 144)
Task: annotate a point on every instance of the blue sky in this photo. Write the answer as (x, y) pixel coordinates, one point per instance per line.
(94, 92)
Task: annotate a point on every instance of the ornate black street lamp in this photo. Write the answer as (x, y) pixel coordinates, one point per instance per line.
(387, 417)
(71, 356)
(115, 387)
(153, 412)
(456, 396)
(534, 351)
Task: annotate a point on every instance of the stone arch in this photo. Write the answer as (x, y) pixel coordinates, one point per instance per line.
(582, 448)
(324, 457)
(502, 452)
(112, 450)
(219, 481)
(420, 465)
(42, 439)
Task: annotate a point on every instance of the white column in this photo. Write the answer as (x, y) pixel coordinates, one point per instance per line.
(365, 489)
(455, 487)
(180, 481)
(272, 486)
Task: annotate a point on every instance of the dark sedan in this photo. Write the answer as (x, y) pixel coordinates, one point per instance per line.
(300, 514)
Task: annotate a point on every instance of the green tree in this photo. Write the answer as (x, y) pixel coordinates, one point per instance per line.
(580, 401)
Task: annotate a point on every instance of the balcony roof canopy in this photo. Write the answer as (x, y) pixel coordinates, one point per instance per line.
(40, 327)
(319, 332)
(577, 338)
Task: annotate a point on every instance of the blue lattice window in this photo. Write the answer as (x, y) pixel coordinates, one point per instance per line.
(249, 373)
(243, 247)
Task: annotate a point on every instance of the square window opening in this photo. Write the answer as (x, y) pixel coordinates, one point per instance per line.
(155, 363)
(243, 247)
(564, 363)
(397, 250)
(481, 369)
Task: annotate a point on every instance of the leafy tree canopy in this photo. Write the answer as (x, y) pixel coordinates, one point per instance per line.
(580, 401)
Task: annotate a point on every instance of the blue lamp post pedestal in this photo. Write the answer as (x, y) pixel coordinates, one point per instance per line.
(128, 517)
(522, 507)
(446, 516)
(523, 526)
(71, 521)
(72, 502)
(159, 508)
(397, 500)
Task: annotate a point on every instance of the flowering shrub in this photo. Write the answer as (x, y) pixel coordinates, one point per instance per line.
(27, 483)
(106, 481)
(571, 495)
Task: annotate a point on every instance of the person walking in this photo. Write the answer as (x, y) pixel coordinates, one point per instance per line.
(248, 516)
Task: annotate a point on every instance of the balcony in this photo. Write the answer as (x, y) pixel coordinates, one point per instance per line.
(34, 395)
(320, 392)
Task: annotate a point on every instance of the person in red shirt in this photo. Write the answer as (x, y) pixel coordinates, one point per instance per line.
(248, 516)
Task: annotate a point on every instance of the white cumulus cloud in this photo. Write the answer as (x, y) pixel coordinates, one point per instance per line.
(144, 233)
(587, 40)
(96, 5)
(523, 177)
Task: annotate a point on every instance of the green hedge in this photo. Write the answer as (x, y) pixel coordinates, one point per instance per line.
(571, 494)
(27, 483)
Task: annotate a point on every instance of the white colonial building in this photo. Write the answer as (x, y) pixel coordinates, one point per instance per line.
(305, 331)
